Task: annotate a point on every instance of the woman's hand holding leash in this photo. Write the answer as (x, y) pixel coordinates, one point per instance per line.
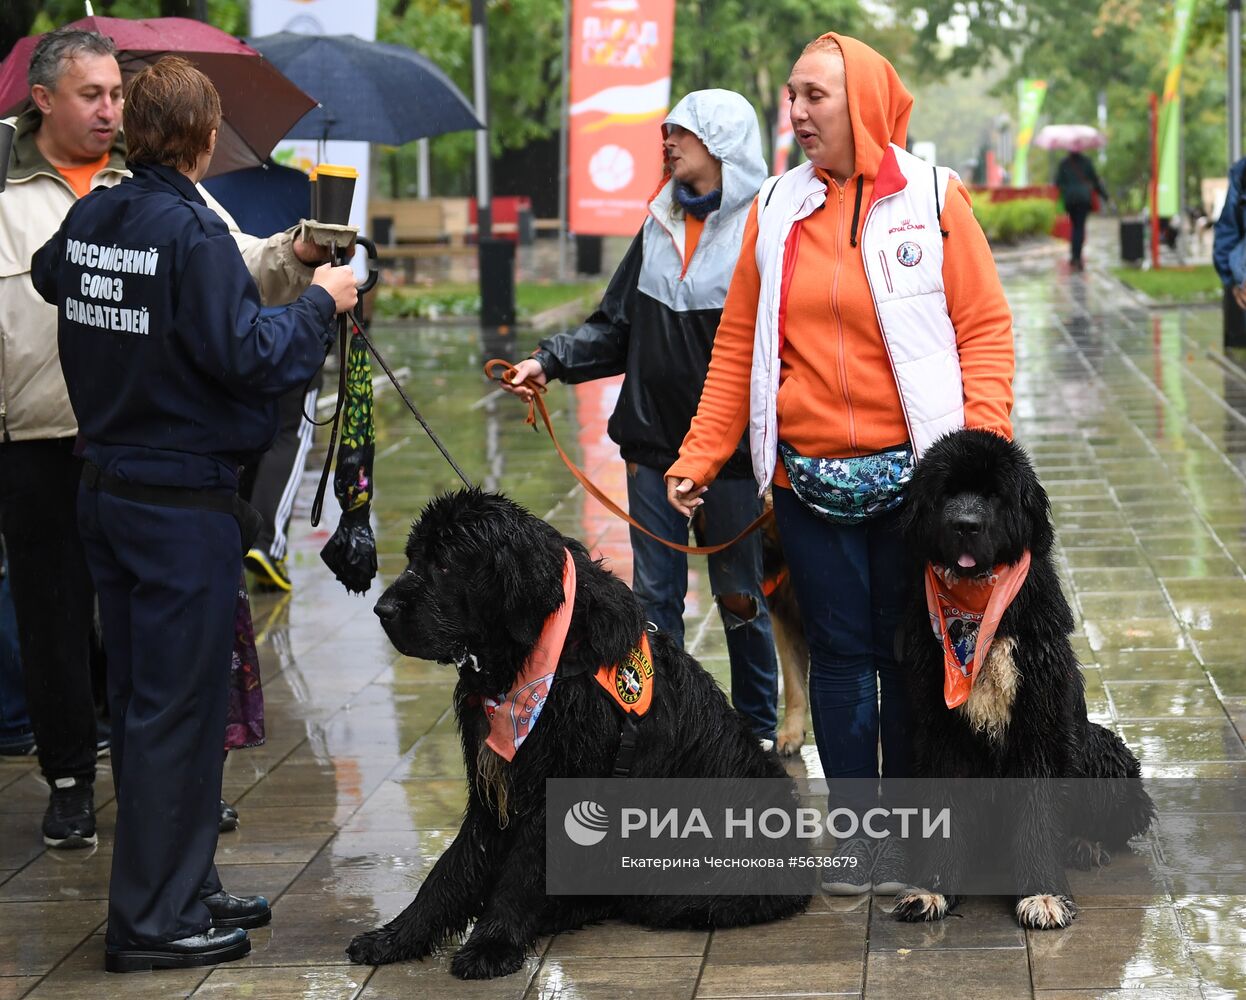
(513, 382)
(684, 495)
(338, 282)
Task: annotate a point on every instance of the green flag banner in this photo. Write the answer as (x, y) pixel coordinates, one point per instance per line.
(1030, 94)
(1170, 113)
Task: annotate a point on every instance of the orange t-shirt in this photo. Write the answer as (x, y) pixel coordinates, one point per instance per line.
(693, 227)
(80, 177)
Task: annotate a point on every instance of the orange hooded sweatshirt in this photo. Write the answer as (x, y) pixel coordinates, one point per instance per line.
(837, 396)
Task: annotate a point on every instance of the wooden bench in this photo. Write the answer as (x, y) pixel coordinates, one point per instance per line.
(419, 229)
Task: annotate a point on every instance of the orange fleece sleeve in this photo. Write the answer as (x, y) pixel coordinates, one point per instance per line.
(980, 316)
(722, 414)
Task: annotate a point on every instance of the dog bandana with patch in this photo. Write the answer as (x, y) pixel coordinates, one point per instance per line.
(513, 716)
(629, 684)
(964, 614)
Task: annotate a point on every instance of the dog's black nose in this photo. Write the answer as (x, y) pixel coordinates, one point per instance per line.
(967, 525)
(386, 610)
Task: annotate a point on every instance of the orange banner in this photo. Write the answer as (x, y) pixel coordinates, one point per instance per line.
(620, 92)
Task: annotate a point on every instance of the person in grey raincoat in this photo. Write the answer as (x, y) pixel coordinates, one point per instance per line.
(656, 325)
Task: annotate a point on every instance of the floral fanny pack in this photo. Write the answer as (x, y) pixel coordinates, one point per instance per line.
(850, 490)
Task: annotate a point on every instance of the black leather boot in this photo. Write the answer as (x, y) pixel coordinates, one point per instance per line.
(213, 946)
(237, 911)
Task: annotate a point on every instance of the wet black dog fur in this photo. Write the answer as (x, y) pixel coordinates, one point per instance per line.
(482, 576)
(975, 492)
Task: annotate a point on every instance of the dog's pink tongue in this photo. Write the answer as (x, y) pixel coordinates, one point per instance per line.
(966, 561)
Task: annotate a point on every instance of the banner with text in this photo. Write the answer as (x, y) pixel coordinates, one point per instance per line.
(1030, 94)
(1170, 113)
(620, 92)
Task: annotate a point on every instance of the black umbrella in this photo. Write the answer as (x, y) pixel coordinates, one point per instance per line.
(368, 91)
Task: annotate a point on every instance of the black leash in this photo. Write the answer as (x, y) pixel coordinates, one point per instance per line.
(412, 407)
(344, 338)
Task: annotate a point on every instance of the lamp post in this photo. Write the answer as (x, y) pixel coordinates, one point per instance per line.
(480, 87)
(496, 258)
(1235, 81)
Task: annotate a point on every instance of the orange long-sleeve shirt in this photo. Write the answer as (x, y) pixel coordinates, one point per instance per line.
(837, 395)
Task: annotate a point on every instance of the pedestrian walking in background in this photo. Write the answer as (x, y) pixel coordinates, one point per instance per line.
(865, 319)
(173, 375)
(655, 326)
(1080, 190)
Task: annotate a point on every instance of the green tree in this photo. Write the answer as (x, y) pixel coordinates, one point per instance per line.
(1117, 47)
(525, 68)
(23, 17)
(749, 46)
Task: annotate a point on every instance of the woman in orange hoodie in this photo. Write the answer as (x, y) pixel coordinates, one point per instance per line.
(865, 318)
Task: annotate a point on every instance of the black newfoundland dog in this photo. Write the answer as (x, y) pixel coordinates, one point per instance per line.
(975, 505)
(482, 577)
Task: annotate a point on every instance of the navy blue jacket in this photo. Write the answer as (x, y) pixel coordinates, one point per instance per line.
(161, 339)
(1228, 231)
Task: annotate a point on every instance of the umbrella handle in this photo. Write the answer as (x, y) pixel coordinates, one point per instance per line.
(370, 281)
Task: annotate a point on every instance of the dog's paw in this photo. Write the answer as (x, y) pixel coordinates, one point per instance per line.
(487, 959)
(914, 906)
(1046, 912)
(383, 946)
(1086, 854)
(790, 740)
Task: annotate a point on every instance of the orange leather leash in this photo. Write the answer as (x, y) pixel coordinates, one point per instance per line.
(537, 404)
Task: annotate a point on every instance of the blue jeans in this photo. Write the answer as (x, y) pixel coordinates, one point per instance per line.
(660, 581)
(14, 720)
(850, 586)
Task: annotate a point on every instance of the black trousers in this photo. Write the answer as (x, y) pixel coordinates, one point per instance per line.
(54, 600)
(168, 583)
(270, 481)
(1077, 217)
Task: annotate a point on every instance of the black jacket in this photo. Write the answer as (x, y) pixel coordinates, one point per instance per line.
(1077, 180)
(161, 339)
(664, 355)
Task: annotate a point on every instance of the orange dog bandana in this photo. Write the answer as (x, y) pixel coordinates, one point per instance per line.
(513, 716)
(964, 614)
(629, 684)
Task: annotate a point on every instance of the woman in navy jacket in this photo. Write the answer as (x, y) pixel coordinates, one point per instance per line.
(173, 374)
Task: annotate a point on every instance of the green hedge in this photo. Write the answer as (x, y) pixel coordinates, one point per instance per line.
(1009, 221)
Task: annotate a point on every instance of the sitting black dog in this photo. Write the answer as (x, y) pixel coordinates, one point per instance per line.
(974, 509)
(482, 577)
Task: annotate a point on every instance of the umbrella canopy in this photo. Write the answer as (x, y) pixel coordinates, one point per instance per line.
(1075, 138)
(258, 104)
(368, 91)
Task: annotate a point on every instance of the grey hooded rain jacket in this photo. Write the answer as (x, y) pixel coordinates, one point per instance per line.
(657, 319)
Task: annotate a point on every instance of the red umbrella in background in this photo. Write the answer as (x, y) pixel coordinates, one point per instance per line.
(258, 104)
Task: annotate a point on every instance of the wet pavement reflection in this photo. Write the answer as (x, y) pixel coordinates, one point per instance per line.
(1137, 425)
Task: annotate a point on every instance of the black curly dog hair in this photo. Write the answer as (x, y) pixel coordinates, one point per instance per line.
(975, 496)
(482, 576)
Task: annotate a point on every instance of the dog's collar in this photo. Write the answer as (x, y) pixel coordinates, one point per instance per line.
(975, 605)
